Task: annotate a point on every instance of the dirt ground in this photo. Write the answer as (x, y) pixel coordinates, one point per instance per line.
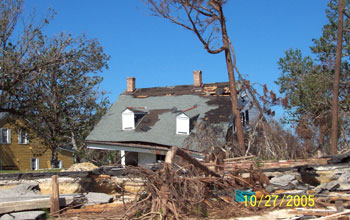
(115, 211)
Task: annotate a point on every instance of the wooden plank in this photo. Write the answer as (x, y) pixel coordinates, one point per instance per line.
(238, 158)
(331, 217)
(196, 163)
(339, 197)
(54, 200)
(32, 204)
(313, 212)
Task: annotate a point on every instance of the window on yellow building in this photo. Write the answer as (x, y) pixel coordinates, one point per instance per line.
(5, 136)
(23, 137)
(34, 163)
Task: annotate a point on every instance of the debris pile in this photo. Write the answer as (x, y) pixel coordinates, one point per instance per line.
(183, 188)
(87, 166)
(190, 190)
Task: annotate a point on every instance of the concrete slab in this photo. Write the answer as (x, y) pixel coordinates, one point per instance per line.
(98, 198)
(31, 215)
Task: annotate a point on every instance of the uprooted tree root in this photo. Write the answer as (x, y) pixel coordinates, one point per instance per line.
(178, 193)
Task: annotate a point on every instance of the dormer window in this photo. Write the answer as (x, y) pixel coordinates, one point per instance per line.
(182, 124)
(128, 119)
(131, 118)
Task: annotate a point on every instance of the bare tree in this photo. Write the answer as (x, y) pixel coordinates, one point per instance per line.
(205, 18)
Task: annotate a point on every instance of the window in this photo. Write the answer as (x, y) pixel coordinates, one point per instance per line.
(5, 136)
(160, 157)
(128, 120)
(245, 118)
(242, 118)
(60, 164)
(23, 137)
(182, 124)
(34, 163)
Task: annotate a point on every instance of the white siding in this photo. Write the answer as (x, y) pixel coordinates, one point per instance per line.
(182, 124)
(146, 158)
(128, 120)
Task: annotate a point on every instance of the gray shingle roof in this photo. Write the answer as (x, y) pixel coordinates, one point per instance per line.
(159, 124)
(4, 115)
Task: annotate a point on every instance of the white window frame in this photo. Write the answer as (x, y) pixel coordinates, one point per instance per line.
(8, 134)
(26, 137)
(128, 120)
(36, 163)
(182, 124)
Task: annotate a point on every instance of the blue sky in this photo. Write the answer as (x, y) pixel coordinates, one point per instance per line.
(159, 53)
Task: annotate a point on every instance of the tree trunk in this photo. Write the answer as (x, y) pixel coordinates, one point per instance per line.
(54, 157)
(335, 113)
(232, 82)
(323, 128)
(77, 151)
(195, 162)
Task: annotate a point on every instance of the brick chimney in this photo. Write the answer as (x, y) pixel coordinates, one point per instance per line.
(130, 84)
(197, 78)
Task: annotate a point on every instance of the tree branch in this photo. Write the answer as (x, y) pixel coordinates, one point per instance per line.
(195, 30)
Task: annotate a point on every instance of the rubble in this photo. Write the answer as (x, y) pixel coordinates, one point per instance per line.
(31, 215)
(344, 181)
(339, 159)
(327, 187)
(98, 198)
(86, 166)
(289, 181)
(191, 190)
(190, 183)
(284, 180)
(34, 202)
(20, 190)
(67, 186)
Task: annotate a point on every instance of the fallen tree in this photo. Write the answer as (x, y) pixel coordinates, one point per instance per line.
(189, 188)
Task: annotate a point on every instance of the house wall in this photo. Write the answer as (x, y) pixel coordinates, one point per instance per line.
(146, 158)
(18, 156)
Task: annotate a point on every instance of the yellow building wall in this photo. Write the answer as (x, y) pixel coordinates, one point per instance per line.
(18, 156)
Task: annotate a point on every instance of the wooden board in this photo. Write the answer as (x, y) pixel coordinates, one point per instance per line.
(31, 204)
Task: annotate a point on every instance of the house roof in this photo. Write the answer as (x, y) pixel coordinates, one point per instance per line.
(4, 115)
(210, 103)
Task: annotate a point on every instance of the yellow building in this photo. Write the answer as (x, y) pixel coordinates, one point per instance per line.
(20, 151)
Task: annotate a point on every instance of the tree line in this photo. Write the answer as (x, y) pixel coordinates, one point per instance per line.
(307, 82)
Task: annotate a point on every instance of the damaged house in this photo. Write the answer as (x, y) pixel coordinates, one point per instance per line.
(144, 123)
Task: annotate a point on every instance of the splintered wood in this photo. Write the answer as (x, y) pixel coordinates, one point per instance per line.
(190, 189)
